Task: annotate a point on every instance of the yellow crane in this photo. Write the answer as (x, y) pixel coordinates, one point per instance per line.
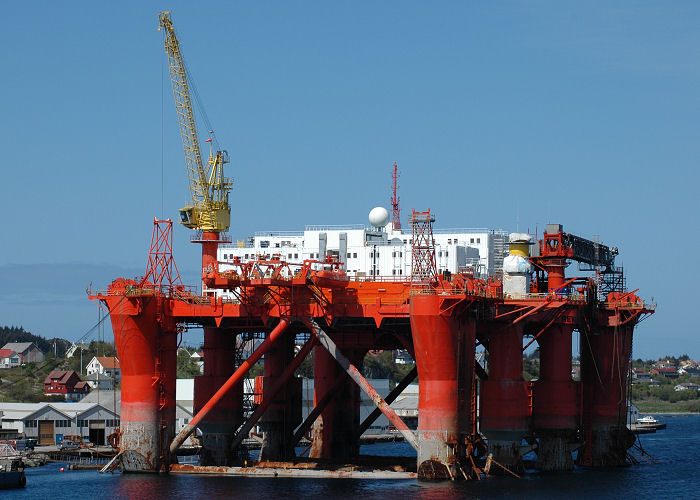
(210, 211)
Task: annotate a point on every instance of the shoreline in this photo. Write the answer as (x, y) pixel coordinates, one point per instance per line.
(670, 413)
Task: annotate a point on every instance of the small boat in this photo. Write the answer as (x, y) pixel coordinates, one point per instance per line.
(647, 420)
(650, 421)
(12, 473)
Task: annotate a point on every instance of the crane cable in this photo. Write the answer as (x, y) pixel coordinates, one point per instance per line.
(202, 110)
(47, 361)
(162, 132)
(199, 103)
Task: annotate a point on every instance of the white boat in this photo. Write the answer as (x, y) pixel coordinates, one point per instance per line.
(647, 420)
(651, 422)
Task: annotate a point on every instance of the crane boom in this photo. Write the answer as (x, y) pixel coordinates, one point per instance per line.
(210, 210)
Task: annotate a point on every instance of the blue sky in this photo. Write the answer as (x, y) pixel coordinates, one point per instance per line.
(499, 114)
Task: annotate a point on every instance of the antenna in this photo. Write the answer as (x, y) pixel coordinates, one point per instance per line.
(395, 210)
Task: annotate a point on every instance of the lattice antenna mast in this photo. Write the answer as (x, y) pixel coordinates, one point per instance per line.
(423, 268)
(396, 211)
(161, 269)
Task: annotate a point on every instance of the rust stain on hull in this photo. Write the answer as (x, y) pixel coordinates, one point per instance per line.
(280, 469)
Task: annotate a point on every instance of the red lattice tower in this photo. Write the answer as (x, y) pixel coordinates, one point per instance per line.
(423, 268)
(396, 211)
(161, 269)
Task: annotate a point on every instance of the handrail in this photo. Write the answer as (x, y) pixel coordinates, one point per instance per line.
(470, 230)
(279, 233)
(331, 227)
(628, 305)
(382, 279)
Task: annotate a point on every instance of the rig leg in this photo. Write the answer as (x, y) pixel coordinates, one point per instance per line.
(334, 430)
(221, 422)
(604, 368)
(504, 399)
(444, 354)
(555, 401)
(284, 413)
(148, 363)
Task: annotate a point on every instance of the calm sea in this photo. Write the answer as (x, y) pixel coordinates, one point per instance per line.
(676, 476)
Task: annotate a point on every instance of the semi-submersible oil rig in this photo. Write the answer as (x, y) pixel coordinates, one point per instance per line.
(471, 418)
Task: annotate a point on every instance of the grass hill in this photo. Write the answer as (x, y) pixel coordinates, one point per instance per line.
(26, 383)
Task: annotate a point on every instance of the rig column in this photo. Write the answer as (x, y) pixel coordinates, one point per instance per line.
(555, 400)
(604, 367)
(221, 422)
(284, 414)
(444, 354)
(334, 431)
(148, 361)
(504, 398)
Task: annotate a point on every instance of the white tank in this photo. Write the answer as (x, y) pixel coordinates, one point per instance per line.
(516, 264)
(379, 217)
(517, 268)
(519, 238)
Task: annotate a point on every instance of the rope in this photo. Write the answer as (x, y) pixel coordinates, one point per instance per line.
(46, 362)
(595, 365)
(200, 104)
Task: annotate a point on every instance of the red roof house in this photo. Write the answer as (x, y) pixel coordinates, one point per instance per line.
(66, 383)
(9, 358)
(665, 372)
(105, 365)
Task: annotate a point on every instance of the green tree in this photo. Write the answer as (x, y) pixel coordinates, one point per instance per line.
(665, 392)
(186, 366)
(383, 366)
(306, 369)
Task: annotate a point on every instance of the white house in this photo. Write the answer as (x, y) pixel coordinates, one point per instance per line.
(105, 365)
(198, 359)
(9, 358)
(687, 386)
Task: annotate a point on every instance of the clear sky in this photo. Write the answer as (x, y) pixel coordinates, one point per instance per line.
(499, 114)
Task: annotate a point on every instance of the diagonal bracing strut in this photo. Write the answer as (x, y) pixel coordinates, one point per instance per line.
(355, 374)
(232, 380)
(318, 409)
(410, 377)
(270, 395)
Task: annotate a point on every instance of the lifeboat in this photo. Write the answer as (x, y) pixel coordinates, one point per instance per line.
(334, 278)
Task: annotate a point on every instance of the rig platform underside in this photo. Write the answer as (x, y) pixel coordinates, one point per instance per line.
(473, 417)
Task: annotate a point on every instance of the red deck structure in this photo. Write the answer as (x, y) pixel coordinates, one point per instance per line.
(440, 320)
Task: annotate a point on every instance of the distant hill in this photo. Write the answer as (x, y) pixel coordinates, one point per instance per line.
(18, 334)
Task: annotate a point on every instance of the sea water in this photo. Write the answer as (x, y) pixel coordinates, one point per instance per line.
(677, 475)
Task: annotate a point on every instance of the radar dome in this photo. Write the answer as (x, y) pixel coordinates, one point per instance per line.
(379, 217)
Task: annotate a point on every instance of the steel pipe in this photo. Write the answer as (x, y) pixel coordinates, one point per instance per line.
(274, 390)
(233, 379)
(318, 409)
(355, 374)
